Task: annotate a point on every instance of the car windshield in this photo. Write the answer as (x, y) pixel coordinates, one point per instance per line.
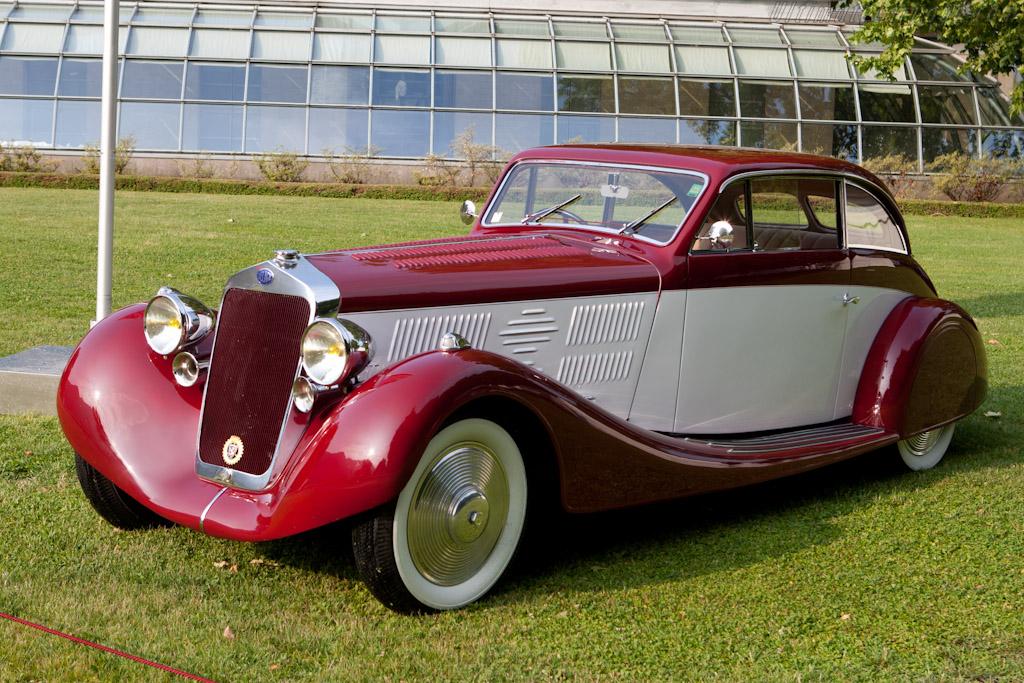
(649, 203)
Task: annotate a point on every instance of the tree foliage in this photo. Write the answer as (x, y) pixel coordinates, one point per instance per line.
(989, 32)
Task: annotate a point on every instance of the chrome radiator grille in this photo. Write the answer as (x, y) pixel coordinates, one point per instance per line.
(250, 378)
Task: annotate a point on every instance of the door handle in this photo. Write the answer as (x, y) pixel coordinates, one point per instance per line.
(847, 299)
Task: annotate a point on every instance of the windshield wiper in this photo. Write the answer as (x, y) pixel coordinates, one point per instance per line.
(543, 213)
(632, 226)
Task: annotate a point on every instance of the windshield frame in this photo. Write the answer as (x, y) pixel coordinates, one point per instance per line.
(499, 193)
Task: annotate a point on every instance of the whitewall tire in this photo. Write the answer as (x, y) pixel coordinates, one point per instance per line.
(924, 451)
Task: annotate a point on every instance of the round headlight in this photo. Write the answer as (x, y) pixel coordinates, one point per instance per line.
(303, 394)
(324, 352)
(165, 328)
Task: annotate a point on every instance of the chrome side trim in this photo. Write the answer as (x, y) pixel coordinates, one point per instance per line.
(206, 510)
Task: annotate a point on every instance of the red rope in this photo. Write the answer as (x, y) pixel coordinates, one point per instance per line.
(106, 649)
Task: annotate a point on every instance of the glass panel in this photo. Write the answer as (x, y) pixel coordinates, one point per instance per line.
(799, 37)
(27, 11)
(868, 224)
(880, 141)
(336, 129)
(278, 45)
(524, 53)
(157, 80)
(574, 29)
(449, 124)
(931, 67)
(463, 89)
(768, 135)
(93, 14)
(401, 133)
(755, 35)
(702, 60)
(831, 140)
(209, 42)
(457, 25)
(521, 27)
(706, 98)
(516, 132)
(392, 22)
(361, 22)
(639, 31)
(938, 141)
(639, 95)
(821, 64)
(85, 40)
(33, 37)
(830, 101)
(946, 104)
(81, 78)
(995, 109)
(586, 129)
(798, 214)
(761, 62)
(880, 102)
(149, 15)
(215, 82)
(212, 128)
(647, 130)
(697, 34)
(524, 91)
(340, 85)
(78, 123)
(5, 7)
(28, 76)
(899, 74)
(277, 83)
(26, 121)
(394, 87)
(697, 132)
(594, 93)
(284, 19)
(402, 49)
(586, 56)
(206, 16)
(155, 126)
(643, 58)
(1003, 143)
(157, 42)
(268, 128)
(341, 47)
(463, 51)
(767, 99)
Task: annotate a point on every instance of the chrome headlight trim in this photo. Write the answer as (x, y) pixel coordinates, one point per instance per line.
(333, 350)
(186, 368)
(174, 320)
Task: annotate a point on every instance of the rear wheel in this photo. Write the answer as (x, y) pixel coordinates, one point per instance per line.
(455, 526)
(113, 504)
(924, 451)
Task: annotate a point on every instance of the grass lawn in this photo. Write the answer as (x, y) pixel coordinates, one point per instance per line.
(858, 572)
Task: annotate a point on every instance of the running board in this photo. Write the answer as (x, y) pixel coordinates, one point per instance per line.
(821, 438)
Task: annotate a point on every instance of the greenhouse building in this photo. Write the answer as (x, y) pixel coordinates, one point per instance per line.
(405, 80)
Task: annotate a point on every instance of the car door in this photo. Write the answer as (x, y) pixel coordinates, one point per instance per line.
(765, 314)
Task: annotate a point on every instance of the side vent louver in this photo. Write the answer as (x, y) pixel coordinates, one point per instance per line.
(605, 323)
(418, 335)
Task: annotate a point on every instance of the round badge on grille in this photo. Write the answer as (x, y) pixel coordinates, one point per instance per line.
(265, 276)
(232, 450)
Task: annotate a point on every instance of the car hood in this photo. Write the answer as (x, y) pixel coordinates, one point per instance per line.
(473, 270)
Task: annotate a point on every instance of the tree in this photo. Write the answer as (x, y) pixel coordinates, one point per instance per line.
(991, 33)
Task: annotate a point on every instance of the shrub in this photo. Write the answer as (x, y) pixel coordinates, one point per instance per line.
(355, 165)
(24, 159)
(968, 179)
(196, 167)
(124, 150)
(896, 170)
(438, 171)
(281, 165)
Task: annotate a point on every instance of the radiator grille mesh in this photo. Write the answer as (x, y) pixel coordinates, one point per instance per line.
(251, 374)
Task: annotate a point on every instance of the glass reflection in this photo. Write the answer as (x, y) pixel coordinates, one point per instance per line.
(524, 92)
(212, 128)
(646, 95)
(401, 88)
(215, 82)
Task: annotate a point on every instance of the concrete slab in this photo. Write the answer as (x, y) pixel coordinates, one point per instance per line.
(28, 380)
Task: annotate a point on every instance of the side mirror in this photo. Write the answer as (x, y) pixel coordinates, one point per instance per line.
(468, 212)
(720, 235)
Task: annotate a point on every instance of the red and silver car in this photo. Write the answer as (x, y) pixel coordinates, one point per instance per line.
(622, 325)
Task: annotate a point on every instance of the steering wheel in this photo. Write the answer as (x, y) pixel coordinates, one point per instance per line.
(571, 216)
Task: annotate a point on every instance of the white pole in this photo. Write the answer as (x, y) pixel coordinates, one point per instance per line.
(108, 141)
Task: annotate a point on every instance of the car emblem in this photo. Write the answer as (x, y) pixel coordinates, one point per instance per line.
(232, 450)
(265, 276)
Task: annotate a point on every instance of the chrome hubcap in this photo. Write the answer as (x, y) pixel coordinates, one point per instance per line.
(458, 511)
(922, 443)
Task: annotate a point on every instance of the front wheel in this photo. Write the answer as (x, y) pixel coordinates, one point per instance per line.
(113, 504)
(455, 526)
(924, 451)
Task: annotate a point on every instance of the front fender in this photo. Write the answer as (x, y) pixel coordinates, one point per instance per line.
(926, 368)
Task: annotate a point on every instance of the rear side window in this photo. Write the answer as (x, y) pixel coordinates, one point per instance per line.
(868, 224)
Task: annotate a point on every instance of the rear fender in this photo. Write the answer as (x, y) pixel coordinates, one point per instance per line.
(926, 368)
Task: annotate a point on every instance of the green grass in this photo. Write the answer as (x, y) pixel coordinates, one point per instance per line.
(857, 572)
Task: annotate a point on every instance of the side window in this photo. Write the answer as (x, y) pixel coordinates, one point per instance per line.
(794, 214)
(868, 224)
(731, 208)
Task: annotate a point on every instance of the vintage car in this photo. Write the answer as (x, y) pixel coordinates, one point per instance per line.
(623, 324)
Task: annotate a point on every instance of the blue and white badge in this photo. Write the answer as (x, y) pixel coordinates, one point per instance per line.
(265, 276)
